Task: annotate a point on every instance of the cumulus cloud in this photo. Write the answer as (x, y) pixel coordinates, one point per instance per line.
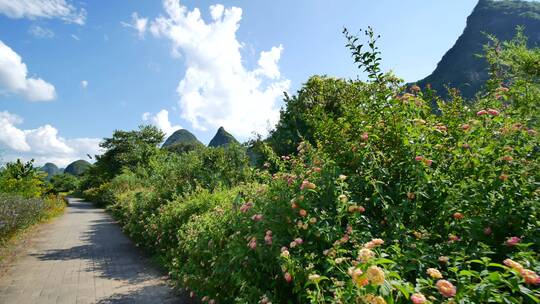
(42, 144)
(217, 88)
(137, 23)
(84, 84)
(161, 120)
(48, 9)
(14, 78)
(40, 32)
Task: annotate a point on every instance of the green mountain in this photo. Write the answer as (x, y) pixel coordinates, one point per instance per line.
(77, 167)
(222, 138)
(182, 141)
(460, 67)
(51, 170)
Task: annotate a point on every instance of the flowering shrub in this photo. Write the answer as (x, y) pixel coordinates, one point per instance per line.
(384, 202)
(17, 213)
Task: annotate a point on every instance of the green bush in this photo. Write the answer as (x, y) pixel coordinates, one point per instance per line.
(18, 213)
(367, 195)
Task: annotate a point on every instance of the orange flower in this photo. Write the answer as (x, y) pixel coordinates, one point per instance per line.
(434, 273)
(446, 289)
(358, 277)
(375, 275)
(418, 298)
(530, 277)
(458, 216)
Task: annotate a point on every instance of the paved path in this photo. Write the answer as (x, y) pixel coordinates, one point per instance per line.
(83, 257)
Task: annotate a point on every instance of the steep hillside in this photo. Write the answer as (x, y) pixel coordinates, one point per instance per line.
(222, 138)
(77, 167)
(460, 67)
(51, 170)
(182, 141)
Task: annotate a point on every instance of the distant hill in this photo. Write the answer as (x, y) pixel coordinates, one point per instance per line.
(459, 67)
(51, 170)
(222, 138)
(182, 141)
(77, 167)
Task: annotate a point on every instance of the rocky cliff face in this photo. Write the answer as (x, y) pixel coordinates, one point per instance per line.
(460, 67)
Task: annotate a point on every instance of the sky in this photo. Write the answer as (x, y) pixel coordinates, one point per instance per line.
(72, 72)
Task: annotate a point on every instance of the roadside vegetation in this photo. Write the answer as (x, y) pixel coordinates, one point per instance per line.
(363, 193)
(25, 199)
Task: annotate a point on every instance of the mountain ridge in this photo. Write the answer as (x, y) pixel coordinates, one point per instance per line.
(460, 66)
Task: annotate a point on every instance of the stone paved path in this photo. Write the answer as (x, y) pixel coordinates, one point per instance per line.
(83, 257)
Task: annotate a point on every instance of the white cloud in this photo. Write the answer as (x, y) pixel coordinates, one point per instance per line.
(75, 37)
(161, 120)
(14, 78)
(84, 84)
(217, 89)
(40, 32)
(42, 144)
(34, 9)
(139, 24)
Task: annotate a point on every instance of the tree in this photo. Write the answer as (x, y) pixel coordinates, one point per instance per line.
(22, 179)
(124, 150)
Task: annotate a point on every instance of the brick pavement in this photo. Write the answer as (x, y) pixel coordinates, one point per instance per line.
(83, 257)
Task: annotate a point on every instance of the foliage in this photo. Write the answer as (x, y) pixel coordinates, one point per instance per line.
(17, 213)
(222, 138)
(364, 196)
(124, 150)
(77, 168)
(22, 179)
(64, 183)
(182, 141)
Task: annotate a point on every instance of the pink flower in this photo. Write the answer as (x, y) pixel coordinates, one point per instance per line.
(307, 185)
(458, 216)
(453, 238)
(252, 243)
(299, 241)
(465, 127)
(513, 241)
(268, 239)
(303, 213)
(245, 207)
(481, 112)
(418, 298)
(428, 162)
(493, 112)
(487, 231)
(287, 276)
(364, 136)
(530, 277)
(257, 217)
(507, 158)
(446, 289)
(419, 158)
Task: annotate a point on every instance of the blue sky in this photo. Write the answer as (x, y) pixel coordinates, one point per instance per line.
(100, 72)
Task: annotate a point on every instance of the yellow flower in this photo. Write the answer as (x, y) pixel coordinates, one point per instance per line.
(375, 275)
(373, 299)
(365, 255)
(357, 277)
(434, 273)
